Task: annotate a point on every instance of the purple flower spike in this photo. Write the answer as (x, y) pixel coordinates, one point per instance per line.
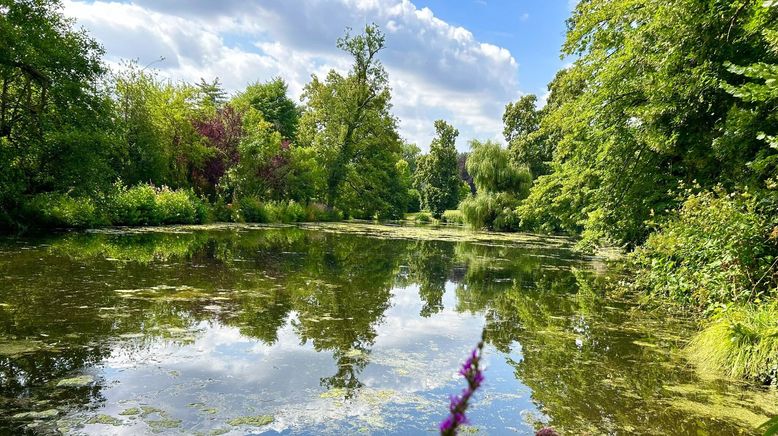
(472, 372)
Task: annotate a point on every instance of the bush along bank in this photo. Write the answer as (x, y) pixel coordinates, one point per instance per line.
(717, 256)
(148, 205)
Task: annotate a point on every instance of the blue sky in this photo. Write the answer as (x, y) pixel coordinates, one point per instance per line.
(461, 61)
(533, 31)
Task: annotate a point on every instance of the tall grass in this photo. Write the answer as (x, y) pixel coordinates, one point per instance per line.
(741, 343)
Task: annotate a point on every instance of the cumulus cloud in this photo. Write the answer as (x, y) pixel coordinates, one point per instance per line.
(437, 70)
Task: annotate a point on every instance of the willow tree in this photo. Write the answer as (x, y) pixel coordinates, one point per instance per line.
(500, 184)
(347, 120)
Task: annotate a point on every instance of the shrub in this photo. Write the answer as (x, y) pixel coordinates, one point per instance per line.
(178, 207)
(319, 212)
(423, 217)
(133, 206)
(60, 210)
(453, 217)
(220, 211)
(252, 210)
(741, 342)
(288, 212)
(488, 210)
(146, 205)
(715, 250)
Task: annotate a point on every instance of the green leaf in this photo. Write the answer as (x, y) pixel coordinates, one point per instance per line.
(770, 428)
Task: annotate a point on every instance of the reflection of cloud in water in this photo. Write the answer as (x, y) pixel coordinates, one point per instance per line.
(240, 376)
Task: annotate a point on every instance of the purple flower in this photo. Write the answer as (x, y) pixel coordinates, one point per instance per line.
(472, 372)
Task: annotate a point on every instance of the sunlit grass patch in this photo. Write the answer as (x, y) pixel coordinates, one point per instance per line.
(742, 342)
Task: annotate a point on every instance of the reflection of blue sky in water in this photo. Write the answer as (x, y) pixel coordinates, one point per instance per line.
(329, 329)
(223, 374)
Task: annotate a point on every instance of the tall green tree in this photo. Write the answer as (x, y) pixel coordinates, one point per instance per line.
(347, 120)
(529, 145)
(642, 109)
(437, 175)
(54, 122)
(500, 185)
(157, 136)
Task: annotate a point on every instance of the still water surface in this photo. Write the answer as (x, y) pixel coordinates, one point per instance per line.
(336, 329)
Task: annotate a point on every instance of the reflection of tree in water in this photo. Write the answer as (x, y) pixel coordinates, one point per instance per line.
(429, 265)
(586, 358)
(336, 289)
(340, 296)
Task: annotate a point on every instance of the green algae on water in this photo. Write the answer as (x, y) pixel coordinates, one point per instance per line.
(104, 419)
(76, 382)
(157, 425)
(252, 421)
(132, 411)
(45, 414)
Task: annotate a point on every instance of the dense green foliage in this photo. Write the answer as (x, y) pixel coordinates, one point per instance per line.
(643, 108)
(82, 146)
(53, 117)
(500, 184)
(437, 177)
(715, 250)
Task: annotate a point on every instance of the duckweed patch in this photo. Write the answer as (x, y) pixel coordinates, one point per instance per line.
(132, 411)
(157, 425)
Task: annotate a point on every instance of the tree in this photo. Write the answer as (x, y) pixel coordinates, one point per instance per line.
(271, 100)
(500, 184)
(642, 109)
(437, 176)
(223, 131)
(529, 145)
(263, 164)
(54, 123)
(463, 174)
(211, 94)
(348, 121)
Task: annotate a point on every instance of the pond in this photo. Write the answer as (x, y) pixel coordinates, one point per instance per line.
(337, 329)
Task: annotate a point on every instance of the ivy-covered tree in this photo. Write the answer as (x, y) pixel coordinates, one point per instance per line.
(437, 175)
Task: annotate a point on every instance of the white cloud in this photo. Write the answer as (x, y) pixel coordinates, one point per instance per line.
(436, 70)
